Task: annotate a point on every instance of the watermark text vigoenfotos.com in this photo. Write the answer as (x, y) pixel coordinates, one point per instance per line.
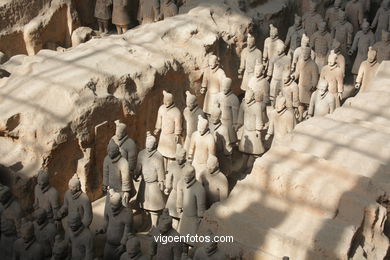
(189, 239)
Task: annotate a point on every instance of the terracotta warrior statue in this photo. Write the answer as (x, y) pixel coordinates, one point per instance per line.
(128, 150)
(290, 92)
(307, 75)
(321, 43)
(76, 200)
(168, 9)
(103, 14)
(45, 232)
(229, 104)
(383, 47)
(46, 196)
(298, 53)
(277, 66)
(211, 84)
(149, 11)
(209, 251)
(118, 223)
(343, 33)
(121, 15)
(367, 71)
(169, 125)
(60, 249)
(355, 14)
(341, 59)
(201, 147)
(172, 180)
(259, 83)
(27, 247)
(282, 122)
(150, 164)
(270, 49)
(251, 119)
(9, 210)
(214, 182)
(294, 36)
(333, 74)
(322, 102)
(116, 174)
(170, 250)
(363, 39)
(191, 202)
(248, 60)
(80, 238)
(133, 250)
(311, 20)
(382, 20)
(222, 140)
(7, 238)
(191, 114)
(332, 14)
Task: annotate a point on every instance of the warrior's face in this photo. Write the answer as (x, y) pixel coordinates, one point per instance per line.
(337, 4)
(306, 54)
(74, 188)
(27, 234)
(167, 100)
(181, 158)
(43, 182)
(280, 104)
(286, 78)
(332, 60)
(190, 103)
(365, 27)
(259, 70)
(250, 41)
(342, 17)
(273, 33)
(150, 145)
(75, 224)
(226, 87)
(297, 21)
(371, 56)
(120, 132)
(323, 88)
(213, 61)
(249, 96)
(385, 36)
(322, 27)
(202, 126)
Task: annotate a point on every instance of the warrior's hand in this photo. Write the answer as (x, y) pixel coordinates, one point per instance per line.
(166, 191)
(203, 90)
(125, 198)
(258, 133)
(156, 131)
(105, 188)
(267, 137)
(161, 185)
(357, 85)
(189, 159)
(177, 138)
(120, 249)
(350, 52)
(268, 78)
(179, 210)
(340, 95)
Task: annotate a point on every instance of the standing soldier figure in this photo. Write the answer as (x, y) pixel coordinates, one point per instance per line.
(103, 14)
(120, 15)
(332, 14)
(382, 20)
(46, 196)
(383, 47)
(343, 33)
(367, 71)
(259, 84)
(294, 36)
(321, 42)
(270, 49)
(191, 114)
(355, 14)
(322, 102)
(333, 74)
(311, 20)
(149, 11)
(248, 60)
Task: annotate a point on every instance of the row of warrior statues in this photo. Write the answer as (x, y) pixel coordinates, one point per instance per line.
(175, 182)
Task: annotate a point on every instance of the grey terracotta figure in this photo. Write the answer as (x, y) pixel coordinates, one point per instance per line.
(298, 53)
(343, 33)
(172, 179)
(322, 102)
(294, 35)
(290, 91)
(27, 247)
(311, 20)
(133, 250)
(383, 47)
(355, 14)
(229, 104)
(8, 237)
(169, 126)
(191, 114)
(46, 196)
(121, 15)
(76, 200)
(148, 11)
(209, 251)
(224, 147)
(128, 150)
(248, 60)
(333, 74)
(363, 39)
(214, 182)
(282, 122)
(341, 59)
(202, 145)
(10, 209)
(150, 164)
(259, 83)
(80, 238)
(367, 71)
(116, 174)
(277, 66)
(270, 49)
(45, 232)
(168, 9)
(60, 249)
(103, 14)
(118, 223)
(211, 83)
(332, 14)
(191, 202)
(321, 43)
(382, 20)
(307, 75)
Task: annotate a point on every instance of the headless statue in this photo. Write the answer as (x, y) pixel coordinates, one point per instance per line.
(367, 71)
(248, 60)
(191, 114)
(322, 102)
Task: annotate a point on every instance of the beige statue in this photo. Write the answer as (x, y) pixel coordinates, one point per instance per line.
(282, 122)
(149, 11)
(367, 71)
(307, 75)
(103, 14)
(133, 250)
(340, 59)
(277, 66)
(120, 15)
(9, 210)
(363, 39)
(290, 92)
(333, 74)
(321, 43)
(322, 102)
(191, 114)
(294, 35)
(80, 238)
(46, 196)
(168, 9)
(229, 104)
(27, 247)
(169, 125)
(383, 47)
(311, 20)
(248, 60)
(201, 147)
(60, 249)
(298, 53)
(214, 182)
(45, 232)
(259, 84)
(150, 164)
(355, 14)
(343, 33)
(211, 84)
(191, 202)
(332, 14)
(382, 20)
(270, 49)
(209, 251)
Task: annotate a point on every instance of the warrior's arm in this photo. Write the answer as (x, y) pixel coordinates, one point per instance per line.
(201, 202)
(159, 119)
(88, 215)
